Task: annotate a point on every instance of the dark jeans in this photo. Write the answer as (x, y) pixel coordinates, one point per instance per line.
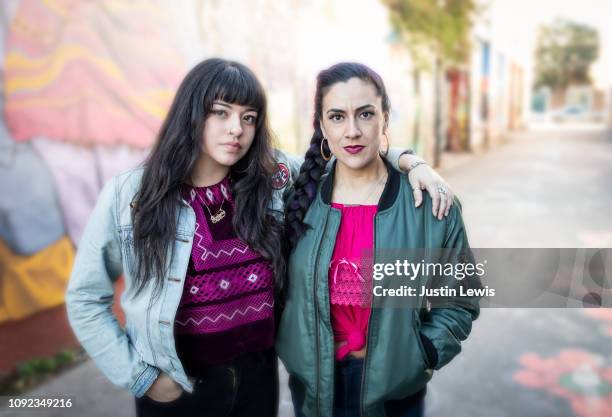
(245, 386)
(347, 393)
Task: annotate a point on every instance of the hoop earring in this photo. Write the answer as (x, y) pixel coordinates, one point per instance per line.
(325, 158)
(386, 152)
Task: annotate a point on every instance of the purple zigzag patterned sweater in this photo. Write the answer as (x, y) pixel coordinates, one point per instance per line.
(227, 306)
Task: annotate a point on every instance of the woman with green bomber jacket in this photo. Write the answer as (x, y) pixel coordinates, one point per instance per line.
(346, 357)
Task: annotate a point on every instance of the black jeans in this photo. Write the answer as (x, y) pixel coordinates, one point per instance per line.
(245, 386)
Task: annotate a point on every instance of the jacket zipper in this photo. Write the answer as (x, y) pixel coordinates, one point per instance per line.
(362, 412)
(316, 284)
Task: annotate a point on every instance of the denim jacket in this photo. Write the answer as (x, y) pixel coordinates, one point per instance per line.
(133, 357)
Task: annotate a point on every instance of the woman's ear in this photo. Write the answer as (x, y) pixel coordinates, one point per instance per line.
(386, 125)
(322, 129)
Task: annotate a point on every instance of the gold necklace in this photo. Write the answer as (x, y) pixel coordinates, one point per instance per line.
(219, 215)
(370, 189)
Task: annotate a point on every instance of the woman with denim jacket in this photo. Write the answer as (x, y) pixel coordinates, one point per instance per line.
(196, 233)
(349, 354)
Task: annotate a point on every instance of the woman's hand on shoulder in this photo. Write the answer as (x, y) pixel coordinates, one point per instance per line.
(422, 177)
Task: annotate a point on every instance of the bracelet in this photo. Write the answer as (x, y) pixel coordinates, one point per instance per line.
(415, 164)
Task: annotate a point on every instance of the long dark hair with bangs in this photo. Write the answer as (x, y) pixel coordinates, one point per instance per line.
(174, 156)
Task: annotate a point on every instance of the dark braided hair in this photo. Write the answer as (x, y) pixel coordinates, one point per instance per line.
(311, 171)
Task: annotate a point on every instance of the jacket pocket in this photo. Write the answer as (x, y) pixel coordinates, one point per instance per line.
(402, 369)
(165, 404)
(424, 356)
(127, 249)
(419, 342)
(127, 245)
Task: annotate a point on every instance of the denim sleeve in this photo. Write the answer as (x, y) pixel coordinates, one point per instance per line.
(89, 299)
(294, 162)
(394, 156)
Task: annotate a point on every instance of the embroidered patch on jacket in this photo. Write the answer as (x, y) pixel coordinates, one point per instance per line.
(281, 177)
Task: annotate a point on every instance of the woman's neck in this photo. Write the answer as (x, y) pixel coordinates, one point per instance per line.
(359, 186)
(355, 178)
(208, 172)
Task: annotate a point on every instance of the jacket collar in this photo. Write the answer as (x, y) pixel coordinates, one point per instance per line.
(386, 199)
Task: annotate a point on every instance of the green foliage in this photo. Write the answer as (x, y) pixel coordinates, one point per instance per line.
(30, 373)
(439, 27)
(43, 366)
(564, 54)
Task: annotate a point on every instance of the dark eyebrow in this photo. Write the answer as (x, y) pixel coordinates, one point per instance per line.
(365, 106)
(220, 103)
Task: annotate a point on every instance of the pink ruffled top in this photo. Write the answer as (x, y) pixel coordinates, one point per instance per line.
(349, 286)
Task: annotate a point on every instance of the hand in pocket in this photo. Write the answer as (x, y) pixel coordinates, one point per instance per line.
(164, 389)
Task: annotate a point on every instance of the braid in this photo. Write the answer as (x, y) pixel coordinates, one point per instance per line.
(305, 187)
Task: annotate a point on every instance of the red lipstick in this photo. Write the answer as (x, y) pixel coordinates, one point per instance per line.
(354, 149)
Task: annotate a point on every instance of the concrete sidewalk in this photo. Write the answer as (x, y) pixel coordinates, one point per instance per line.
(92, 395)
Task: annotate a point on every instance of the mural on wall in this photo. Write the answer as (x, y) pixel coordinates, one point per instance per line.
(36, 282)
(35, 254)
(74, 71)
(79, 107)
(75, 85)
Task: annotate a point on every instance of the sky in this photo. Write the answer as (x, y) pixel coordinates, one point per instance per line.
(514, 25)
